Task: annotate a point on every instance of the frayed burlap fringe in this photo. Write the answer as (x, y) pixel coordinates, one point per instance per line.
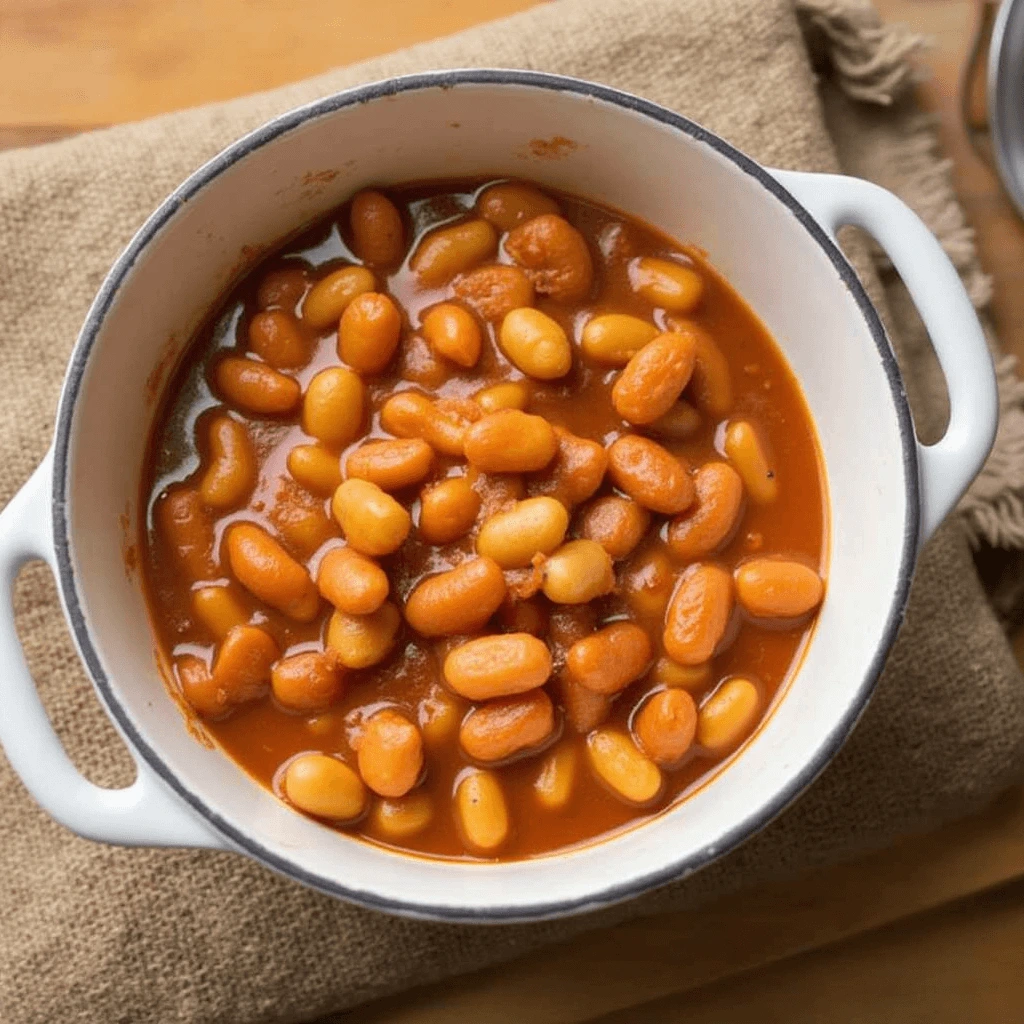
(870, 61)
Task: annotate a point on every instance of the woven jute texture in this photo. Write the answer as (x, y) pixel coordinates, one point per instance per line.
(97, 934)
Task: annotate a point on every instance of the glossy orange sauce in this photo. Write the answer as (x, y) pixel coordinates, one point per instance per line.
(262, 736)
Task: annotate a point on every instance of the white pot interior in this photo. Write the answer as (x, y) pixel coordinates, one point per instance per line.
(618, 156)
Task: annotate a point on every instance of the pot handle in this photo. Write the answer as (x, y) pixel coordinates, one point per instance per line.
(146, 813)
(948, 466)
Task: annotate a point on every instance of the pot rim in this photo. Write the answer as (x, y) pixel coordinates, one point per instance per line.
(269, 132)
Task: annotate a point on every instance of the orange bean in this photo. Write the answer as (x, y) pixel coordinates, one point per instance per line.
(654, 378)
(710, 523)
(243, 663)
(265, 569)
(554, 255)
(617, 524)
(300, 519)
(509, 394)
(667, 672)
(510, 203)
(510, 441)
(614, 338)
(448, 510)
(503, 728)
(219, 608)
(481, 812)
(198, 688)
(556, 779)
(578, 572)
(331, 295)
(535, 343)
(311, 681)
(332, 410)
(410, 414)
(610, 659)
(620, 765)
(352, 582)
(728, 716)
(453, 333)
(372, 521)
(458, 601)
(698, 614)
(454, 249)
(650, 474)
(666, 283)
(231, 473)
(391, 465)
(403, 818)
(256, 387)
(746, 450)
(325, 787)
(584, 709)
(184, 523)
(647, 584)
(710, 385)
(439, 714)
(317, 469)
(368, 332)
(523, 615)
(420, 364)
(275, 336)
(364, 640)
(493, 291)
(282, 288)
(778, 588)
(513, 537)
(390, 753)
(378, 235)
(500, 665)
(679, 423)
(665, 726)
(576, 472)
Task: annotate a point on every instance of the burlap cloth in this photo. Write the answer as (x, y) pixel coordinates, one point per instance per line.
(93, 933)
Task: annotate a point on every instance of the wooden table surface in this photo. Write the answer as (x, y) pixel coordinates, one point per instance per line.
(930, 930)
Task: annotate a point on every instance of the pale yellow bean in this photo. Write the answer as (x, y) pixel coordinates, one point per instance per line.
(556, 779)
(324, 787)
(372, 521)
(666, 284)
(746, 451)
(331, 295)
(332, 410)
(513, 537)
(612, 339)
(481, 812)
(452, 250)
(509, 394)
(620, 765)
(219, 609)
(667, 672)
(578, 572)
(364, 640)
(536, 344)
(728, 715)
(317, 469)
(402, 818)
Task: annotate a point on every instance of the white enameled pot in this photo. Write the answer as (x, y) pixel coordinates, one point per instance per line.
(771, 233)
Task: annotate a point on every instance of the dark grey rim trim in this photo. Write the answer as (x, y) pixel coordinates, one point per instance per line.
(448, 79)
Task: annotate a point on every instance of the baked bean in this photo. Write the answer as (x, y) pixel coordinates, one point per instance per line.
(777, 588)
(256, 387)
(410, 414)
(267, 571)
(282, 289)
(577, 572)
(617, 524)
(609, 660)
(666, 284)
(458, 601)
(315, 468)
(711, 521)
(184, 522)
(275, 336)
(665, 726)
(453, 333)
(372, 521)
(523, 615)
(510, 441)
(368, 332)
(650, 474)
(535, 343)
(620, 765)
(242, 666)
(332, 410)
(654, 378)
(576, 472)
(231, 472)
(679, 423)
(448, 510)
(364, 640)
(324, 787)
(390, 753)
(451, 250)
(402, 818)
(584, 709)
(500, 665)
(513, 537)
(439, 715)
(509, 203)
(614, 338)
(647, 584)
(420, 364)
(391, 465)
(698, 614)
(556, 779)
(198, 688)
(710, 385)
(332, 294)
(509, 394)
(311, 681)
(667, 672)
(481, 811)
(492, 292)
(728, 716)
(746, 451)
(219, 609)
(554, 255)
(502, 728)
(326, 723)
(352, 582)
(378, 236)
(300, 519)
